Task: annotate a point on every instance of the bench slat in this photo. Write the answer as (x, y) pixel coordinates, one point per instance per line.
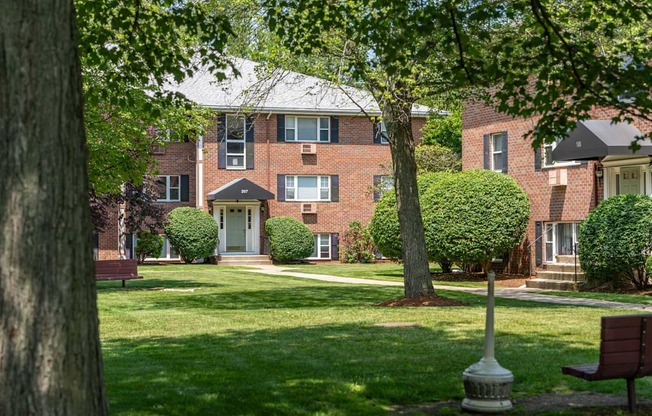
(117, 270)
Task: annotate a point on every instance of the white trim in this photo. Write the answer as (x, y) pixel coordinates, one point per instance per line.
(252, 235)
(318, 247)
(168, 188)
(296, 188)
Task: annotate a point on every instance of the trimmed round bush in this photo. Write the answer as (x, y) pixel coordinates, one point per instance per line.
(616, 239)
(384, 226)
(474, 216)
(148, 244)
(192, 232)
(289, 239)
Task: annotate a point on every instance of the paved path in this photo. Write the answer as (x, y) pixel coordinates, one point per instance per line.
(534, 295)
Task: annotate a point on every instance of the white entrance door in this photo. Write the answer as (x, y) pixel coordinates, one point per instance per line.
(236, 230)
(630, 180)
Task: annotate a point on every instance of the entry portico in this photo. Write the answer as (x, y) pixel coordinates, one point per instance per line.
(236, 207)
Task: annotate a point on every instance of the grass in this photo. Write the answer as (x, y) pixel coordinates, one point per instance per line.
(223, 341)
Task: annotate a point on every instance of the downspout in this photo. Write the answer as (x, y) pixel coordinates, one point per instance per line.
(199, 172)
(268, 150)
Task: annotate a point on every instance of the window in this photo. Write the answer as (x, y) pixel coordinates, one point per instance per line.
(547, 155)
(383, 134)
(560, 239)
(307, 129)
(307, 188)
(169, 188)
(382, 184)
(235, 142)
(167, 252)
(322, 247)
(497, 152)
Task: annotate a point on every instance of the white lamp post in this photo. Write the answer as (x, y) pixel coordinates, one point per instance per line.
(487, 385)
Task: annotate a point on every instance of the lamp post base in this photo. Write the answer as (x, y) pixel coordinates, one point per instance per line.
(487, 387)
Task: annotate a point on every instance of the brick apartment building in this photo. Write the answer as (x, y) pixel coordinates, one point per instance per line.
(281, 144)
(563, 180)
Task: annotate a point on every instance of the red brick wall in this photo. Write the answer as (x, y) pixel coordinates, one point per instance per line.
(549, 203)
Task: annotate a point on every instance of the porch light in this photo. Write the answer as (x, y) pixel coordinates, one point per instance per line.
(598, 171)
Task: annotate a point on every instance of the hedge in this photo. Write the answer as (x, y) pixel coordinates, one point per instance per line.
(289, 239)
(192, 232)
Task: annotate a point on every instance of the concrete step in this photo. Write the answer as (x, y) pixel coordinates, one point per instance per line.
(539, 283)
(244, 260)
(568, 259)
(561, 276)
(563, 267)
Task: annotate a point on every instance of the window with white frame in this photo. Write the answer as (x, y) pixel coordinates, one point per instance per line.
(235, 142)
(497, 152)
(167, 252)
(560, 239)
(322, 247)
(547, 155)
(382, 130)
(307, 129)
(307, 188)
(169, 188)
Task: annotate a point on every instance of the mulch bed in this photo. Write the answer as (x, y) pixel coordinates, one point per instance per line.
(502, 280)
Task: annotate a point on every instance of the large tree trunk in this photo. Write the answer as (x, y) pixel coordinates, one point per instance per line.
(397, 117)
(50, 362)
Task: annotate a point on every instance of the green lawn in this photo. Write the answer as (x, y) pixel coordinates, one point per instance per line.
(223, 341)
(389, 271)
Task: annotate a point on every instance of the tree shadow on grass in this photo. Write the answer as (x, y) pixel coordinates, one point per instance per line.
(345, 369)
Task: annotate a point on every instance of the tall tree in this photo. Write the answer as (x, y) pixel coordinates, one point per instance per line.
(50, 361)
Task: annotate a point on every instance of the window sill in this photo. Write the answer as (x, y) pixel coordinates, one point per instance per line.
(560, 165)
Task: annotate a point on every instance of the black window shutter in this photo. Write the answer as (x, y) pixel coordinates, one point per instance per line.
(280, 128)
(335, 246)
(377, 180)
(280, 188)
(505, 157)
(538, 245)
(129, 246)
(249, 138)
(376, 132)
(335, 129)
(335, 188)
(537, 159)
(221, 141)
(185, 188)
(487, 151)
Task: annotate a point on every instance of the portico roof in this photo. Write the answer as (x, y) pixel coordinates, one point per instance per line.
(595, 139)
(240, 188)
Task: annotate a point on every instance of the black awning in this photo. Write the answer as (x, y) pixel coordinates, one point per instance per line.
(594, 139)
(240, 189)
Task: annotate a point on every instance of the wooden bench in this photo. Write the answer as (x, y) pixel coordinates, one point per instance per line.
(625, 352)
(116, 270)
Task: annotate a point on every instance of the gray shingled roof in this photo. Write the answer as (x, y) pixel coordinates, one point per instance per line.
(278, 92)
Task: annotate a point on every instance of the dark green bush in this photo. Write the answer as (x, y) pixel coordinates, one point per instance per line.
(148, 244)
(357, 245)
(616, 239)
(474, 216)
(384, 227)
(192, 232)
(289, 239)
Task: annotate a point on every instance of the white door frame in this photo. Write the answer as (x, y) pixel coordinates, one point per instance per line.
(252, 224)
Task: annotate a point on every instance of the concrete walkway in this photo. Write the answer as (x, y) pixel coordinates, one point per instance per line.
(533, 295)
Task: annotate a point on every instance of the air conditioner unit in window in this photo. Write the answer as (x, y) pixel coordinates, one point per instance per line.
(308, 148)
(558, 177)
(158, 150)
(308, 208)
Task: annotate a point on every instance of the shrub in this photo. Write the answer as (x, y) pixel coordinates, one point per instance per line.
(474, 216)
(148, 244)
(436, 158)
(357, 244)
(289, 239)
(384, 227)
(616, 239)
(192, 232)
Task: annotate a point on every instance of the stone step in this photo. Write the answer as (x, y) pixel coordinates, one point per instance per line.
(561, 276)
(244, 260)
(568, 259)
(563, 267)
(539, 283)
